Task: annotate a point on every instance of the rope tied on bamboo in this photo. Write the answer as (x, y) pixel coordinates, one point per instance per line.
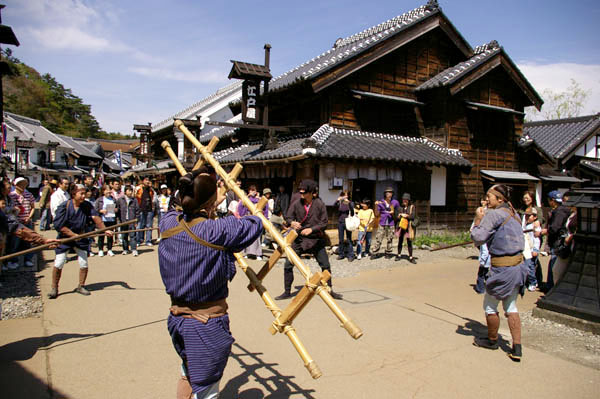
(281, 327)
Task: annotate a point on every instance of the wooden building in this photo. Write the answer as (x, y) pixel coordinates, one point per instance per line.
(407, 103)
(567, 149)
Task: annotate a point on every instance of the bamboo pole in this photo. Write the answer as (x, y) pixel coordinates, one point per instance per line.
(287, 329)
(211, 147)
(167, 147)
(347, 323)
(65, 240)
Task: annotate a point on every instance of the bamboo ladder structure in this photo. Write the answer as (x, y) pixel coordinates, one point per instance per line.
(315, 284)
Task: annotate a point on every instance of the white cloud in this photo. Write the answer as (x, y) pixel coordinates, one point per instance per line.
(557, 78)
(195, 76)
(73, 25)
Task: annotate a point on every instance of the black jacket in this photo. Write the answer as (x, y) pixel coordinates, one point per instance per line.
(556, 223)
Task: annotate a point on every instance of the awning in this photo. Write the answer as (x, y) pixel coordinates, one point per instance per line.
(562, 179)
(501, 175)
(474, 105)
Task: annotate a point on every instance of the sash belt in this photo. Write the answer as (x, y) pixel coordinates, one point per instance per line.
(507, 261)
(199, 311)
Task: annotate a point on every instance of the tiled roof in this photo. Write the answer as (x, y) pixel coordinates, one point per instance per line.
(353, 144)
(29, 128)
(252, 151)
(351, 46)
(330, 142)
(220, 131)
(592, 165)
(234, 89)
(78, 147)
(452, 74)
(559, 137)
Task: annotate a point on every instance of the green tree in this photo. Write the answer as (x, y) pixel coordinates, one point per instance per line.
(566, 104)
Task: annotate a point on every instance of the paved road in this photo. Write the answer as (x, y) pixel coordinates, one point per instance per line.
(418, 323)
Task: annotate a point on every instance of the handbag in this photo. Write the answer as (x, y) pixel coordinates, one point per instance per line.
(403, 223)
(352, 222)
(416, 221)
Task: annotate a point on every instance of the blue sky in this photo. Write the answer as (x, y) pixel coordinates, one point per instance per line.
(143, 61)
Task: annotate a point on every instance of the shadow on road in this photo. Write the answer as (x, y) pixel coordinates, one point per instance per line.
(16, 381)
(276, 384)
(105, 284)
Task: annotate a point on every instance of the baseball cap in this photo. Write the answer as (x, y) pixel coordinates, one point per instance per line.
(307, 186)
(163, 186)
(555, 195)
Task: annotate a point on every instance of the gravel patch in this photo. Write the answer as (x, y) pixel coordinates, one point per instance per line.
(569, 343)
(19, 295)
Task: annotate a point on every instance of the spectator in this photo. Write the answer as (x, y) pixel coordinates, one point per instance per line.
(46, 194)
(384, 210)
(255, 248)
(24, 201)
(532, 231)
(145, 198)
(365, 230)
(406, 216)
(88, 182)
(128, 209)
(345, 208)
(222, 207)
(60, 195)
(231, 197)
(106, 208)
(556, 222)
(484, 254)
(282, 202)
(162, 203)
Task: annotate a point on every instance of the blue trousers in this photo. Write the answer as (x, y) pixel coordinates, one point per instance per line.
(145, 221)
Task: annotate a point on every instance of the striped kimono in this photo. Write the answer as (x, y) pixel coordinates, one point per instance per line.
(194, 273)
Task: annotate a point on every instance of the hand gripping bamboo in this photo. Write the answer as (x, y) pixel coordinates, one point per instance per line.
(286, 328)
(354, 331)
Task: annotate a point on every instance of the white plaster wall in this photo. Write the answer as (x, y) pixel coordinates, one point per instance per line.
(438, 186)
(588, 149)
(328, 196)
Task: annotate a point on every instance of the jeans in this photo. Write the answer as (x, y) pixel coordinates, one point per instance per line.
(45, 219)
(129, 238)
(145, 221)
(345, 249)
(367, 235)
(531, 263)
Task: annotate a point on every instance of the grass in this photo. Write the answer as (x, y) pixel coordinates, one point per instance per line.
(437, 239)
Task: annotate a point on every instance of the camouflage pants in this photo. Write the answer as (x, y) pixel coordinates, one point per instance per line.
(383, 232)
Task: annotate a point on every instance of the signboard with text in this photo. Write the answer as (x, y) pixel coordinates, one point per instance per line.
(250, 101)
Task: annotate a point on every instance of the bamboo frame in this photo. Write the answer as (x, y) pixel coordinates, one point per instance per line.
(352, 329)
(286, 329)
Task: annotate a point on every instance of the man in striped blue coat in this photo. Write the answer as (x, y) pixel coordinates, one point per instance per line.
(196, 263)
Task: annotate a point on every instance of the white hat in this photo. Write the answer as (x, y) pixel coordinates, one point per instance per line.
(19, 180)
(163, 186)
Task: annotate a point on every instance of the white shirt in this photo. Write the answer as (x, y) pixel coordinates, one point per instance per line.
(57, 198)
